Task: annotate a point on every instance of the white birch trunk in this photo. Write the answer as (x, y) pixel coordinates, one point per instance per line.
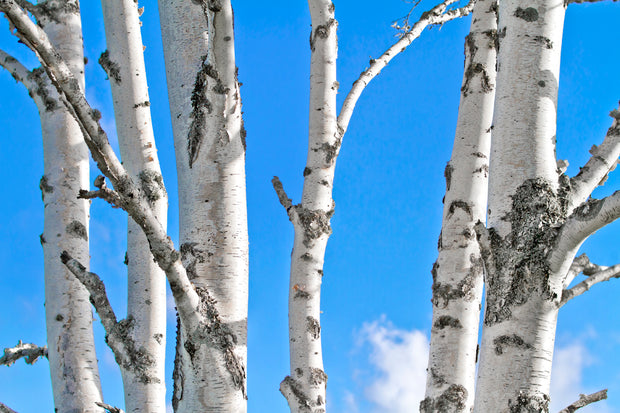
(210, 149)
(458, 272)
(527, 204)
(146, 306)
(73, 362)
(304, 388)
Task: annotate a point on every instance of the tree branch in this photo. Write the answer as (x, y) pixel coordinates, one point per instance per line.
(436, 15)
(30, 352)
(596, 274)
(5, 409)
(585, 400)
(603, 160)
(108, 408)
(96, 289)
(583, 222)
(19, 72)
(283, 198)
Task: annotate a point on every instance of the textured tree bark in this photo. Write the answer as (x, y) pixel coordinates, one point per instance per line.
(210, 149)
(73, 362)
(527, 205)
(123, 61)
(458, 272)
(304, 387)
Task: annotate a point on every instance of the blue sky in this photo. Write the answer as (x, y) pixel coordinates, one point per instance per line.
(388, 191)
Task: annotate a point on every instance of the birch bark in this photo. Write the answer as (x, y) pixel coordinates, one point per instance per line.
(527, 205)
(210, 149)
(123, 61)
(458, 272)
(73, 362)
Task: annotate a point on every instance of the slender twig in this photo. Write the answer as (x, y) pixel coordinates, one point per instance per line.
(585, 400)
(108, 408)
(603, 274)
(436, 15)
(29, 352)
(282, 197)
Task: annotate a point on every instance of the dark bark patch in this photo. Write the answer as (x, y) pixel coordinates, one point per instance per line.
(484, 169)
(317, 376)
(306, 257)
(47, 96)
(321, 32)
(529, 14)
(152, 184)
(330, 151)
(514, 340)
(135, 359)
(485, 81)
(447, 321)
(438, 379)
(459, 204)
(517, 264)
(452, 400)
(313, 327)
(529, 403)
(45, 187)
(78, 230)
(52, 10)
(191, 256)
(447, 173)
(315, 223)
(588, 210)
(307, 171)
(304, 402)
(144, 104)
(545, 41)
(301, 294)
(178, 376)
(493, 37)
(112, 69)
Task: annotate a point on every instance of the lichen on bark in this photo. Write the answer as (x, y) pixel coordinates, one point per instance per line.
(452, 400)
(517, 264)
(112, 69)
(529, 403)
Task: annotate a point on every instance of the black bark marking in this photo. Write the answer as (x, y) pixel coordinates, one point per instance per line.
(307, 171)
(53, 10)
(112, 69)
(330, 151)
(144, 104)
(529, 15)
(493, 37)
(545, 41)
(438, 379)
(313, 327)
(77, 229)
(45, 187)
(460, 205)
(201, 107)
(301, 294)
(517, 265)
(447, 321)
(484, 169)
(452, 400)
(190, 256)
(178, 377)
(447, 173)
(514, 340)
(303, 400)
(485, 81)
(529, 403)
(321, 32)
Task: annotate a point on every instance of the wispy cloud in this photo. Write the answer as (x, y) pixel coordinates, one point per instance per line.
(567, 378)
(399, 358)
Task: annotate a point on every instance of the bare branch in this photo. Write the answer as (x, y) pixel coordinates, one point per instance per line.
(594, 172)
(5, 409)
(108, 408)
(436, 15)
(585, 220)
(29, 352)
(598, 276)
(282, 197)
(96, 288)
(19, 72)
(585, 400)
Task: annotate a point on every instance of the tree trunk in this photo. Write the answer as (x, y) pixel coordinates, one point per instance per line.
(73, 362)
(304, 388)
(210, 150)
(458, 272)
(146, 306)
(527, 205)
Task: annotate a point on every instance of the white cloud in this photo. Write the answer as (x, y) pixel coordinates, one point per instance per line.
(567, 376)
(400, 358)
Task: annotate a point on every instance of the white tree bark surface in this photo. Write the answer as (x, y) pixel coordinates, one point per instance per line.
(210, 149)
(527, 203)
(458, 272)
(73, 362)
(123, 61)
